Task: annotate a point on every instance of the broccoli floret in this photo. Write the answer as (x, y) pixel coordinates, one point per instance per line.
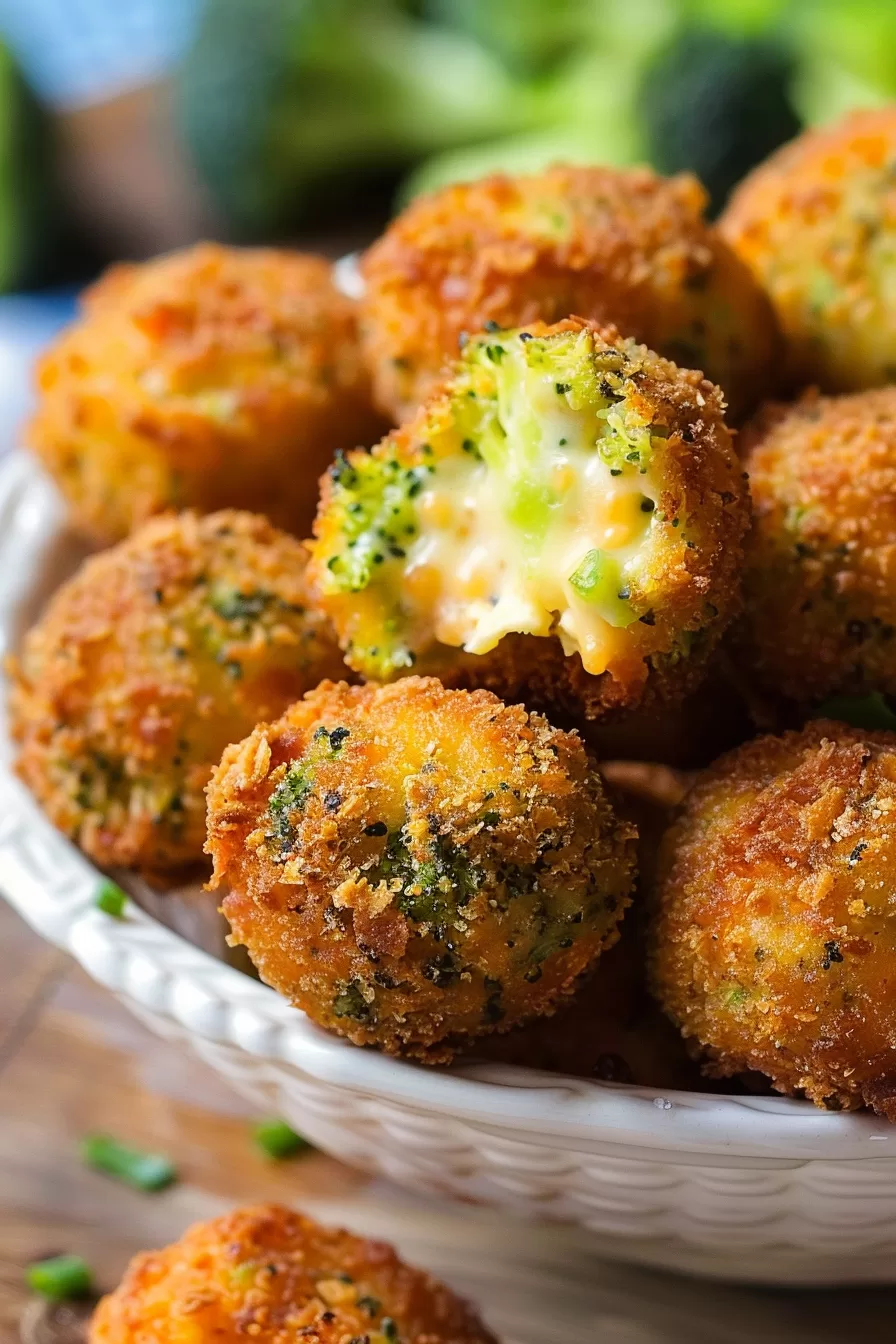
(279, 99)
(717, 106)
(376, 497)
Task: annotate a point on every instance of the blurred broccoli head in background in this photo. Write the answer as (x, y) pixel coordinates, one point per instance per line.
(717, 105)
(283, 99)
(31, 223)
(289, 105)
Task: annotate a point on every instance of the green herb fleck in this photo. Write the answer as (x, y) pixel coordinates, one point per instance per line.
(232, 605)
(143, 1171)
(290, 797)
(60, 1277)
(832, 954)
(350, 1002)
(278, 1140)
(111, 900)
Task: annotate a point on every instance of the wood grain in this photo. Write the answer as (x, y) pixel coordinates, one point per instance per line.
(73, 1060)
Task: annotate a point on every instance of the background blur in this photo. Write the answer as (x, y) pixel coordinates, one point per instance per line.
(130, 126)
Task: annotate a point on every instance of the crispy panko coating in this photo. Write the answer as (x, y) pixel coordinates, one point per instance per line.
(816, 224)
(820, 574)
(773, 945)
(415, 866)
(567, 508)
(146, 664)
(211, 378)
(276, 1277)
(615, 245)
(612, 1029)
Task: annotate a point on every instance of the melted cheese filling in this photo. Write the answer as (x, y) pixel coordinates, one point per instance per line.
(543, 533)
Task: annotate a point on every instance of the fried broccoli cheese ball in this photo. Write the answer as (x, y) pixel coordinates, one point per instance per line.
(146, 664)
(277, 1277)
(414, 866)
(773, 945)
(816, 224)
(211, 378)
(568, 509)
(619, 246)
(820, 572)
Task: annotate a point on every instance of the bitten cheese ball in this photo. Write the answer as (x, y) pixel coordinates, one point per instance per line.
(210, 378)
(562, 522)
(276, 1277)
(773, 945)
(816, 224)
(414, 866)
(146, 664)
(619, 246)
(820, 572)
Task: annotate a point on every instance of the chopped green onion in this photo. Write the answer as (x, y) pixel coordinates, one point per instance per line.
(111, 900)
(144, 1171)
(61, 1276)
(278, 1139)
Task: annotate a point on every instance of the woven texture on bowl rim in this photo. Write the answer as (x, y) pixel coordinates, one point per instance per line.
(789, 1191)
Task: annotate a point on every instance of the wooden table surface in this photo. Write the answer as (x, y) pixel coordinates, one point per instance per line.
(73, 1060)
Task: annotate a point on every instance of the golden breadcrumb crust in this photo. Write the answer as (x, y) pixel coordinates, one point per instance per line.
(210, 378)
(820, 573)
(816, 224)
(694, 576)
(616, 245)
(276, 1277)
(773, 945)
(415, 866)
(144, 666)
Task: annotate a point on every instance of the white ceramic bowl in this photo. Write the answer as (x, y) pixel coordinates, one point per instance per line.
(743, 1187)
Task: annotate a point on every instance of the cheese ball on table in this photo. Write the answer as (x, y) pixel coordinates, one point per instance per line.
(210, 378)
(816, 224)
(414, 866)
(820, 573)
(562, 523)
(272, 1275)
(773, 945)
(146, 664)
(616, 245)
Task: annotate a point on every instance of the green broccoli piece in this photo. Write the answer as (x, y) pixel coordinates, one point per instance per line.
(717, 105)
